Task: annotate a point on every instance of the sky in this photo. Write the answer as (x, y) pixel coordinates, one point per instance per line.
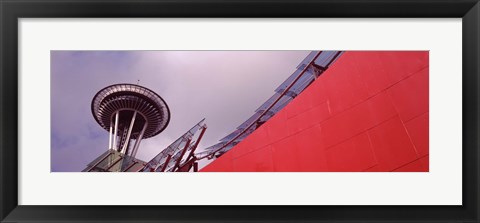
(224, 87)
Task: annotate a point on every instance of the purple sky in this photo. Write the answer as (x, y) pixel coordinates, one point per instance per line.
(225, 87)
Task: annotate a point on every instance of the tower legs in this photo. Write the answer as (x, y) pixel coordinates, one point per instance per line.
(123, 143)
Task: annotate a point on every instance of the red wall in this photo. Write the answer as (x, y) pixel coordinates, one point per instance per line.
(367, 112)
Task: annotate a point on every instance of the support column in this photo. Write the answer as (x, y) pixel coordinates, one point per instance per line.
(110, 135)
(177, 164)
(139, 139)
(165, 164)
(127, 139)
(115, 132)
(192, 151)
(195, 167)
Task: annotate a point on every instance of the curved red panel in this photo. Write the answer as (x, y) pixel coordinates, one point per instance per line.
(368, 112)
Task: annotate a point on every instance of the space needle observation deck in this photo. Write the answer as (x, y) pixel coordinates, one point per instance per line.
(129, 113)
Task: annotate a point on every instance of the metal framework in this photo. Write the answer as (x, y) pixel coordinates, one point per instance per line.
(172, 158)
(114, 161)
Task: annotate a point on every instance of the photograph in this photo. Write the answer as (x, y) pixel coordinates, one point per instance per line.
(239, 111)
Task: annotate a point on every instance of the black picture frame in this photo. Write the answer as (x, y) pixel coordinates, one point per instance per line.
(12, 10)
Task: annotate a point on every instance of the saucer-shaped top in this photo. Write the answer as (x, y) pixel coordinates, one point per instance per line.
(128, 98)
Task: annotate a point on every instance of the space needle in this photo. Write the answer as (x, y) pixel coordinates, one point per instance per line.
(129, 113)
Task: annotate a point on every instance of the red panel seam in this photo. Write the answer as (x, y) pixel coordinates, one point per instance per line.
(366, 130)
(368, 98)
(417, 116)
(410, 162)
(404, 128)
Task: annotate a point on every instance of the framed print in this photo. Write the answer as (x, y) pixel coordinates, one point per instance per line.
(205, 111)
